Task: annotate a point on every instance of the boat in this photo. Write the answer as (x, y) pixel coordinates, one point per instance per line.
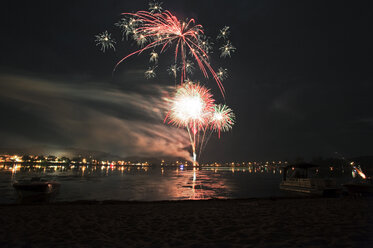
(300, 182)
(36, 189)
(363, 187)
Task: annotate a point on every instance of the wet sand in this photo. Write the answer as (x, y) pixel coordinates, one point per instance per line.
(343, 222)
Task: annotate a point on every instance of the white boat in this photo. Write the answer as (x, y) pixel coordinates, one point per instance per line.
(300, 182)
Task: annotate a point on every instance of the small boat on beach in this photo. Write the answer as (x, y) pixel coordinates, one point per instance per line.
(300, 182)
(36, 189)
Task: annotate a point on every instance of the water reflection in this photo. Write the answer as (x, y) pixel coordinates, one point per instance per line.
(145, 183)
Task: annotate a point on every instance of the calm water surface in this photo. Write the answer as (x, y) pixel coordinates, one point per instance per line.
(146, 183)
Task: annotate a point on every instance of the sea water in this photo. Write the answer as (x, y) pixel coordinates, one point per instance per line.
(146, 183)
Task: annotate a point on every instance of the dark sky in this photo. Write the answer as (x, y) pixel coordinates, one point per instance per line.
(300, 81)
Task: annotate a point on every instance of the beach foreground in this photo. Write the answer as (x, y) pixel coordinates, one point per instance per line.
(321, 222)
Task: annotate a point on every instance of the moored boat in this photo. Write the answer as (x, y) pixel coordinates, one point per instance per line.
(363, 187)
(36, 188)
(300, 182)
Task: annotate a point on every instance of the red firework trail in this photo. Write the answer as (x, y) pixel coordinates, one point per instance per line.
(164, 29)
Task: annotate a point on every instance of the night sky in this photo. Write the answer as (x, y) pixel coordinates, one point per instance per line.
(300, 81)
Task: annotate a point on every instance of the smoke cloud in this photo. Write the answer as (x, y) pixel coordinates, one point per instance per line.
(91, 116)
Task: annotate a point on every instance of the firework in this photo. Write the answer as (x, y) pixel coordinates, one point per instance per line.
(192, 107)
(105, 41)
(189, 67)
(157, 29)
(222, 74)
(153, 57)
(150, 73)
(172, 70)
(224, 33)
(206, 44)
(141, 39)
(155, 7)
(222, 119)
(227, 49)
(126, 27)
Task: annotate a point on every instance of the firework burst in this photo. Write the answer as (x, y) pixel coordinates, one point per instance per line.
(189, 67)
(172, 70)
(157, 29)
(191, 107)
(153, 57)
(206, 44)
(222, 74)
(227, 49)
(224, 33)
(105, 41)
(150, 72)
(155, 7)
(222, 119)
(141, 39)
(126, 27)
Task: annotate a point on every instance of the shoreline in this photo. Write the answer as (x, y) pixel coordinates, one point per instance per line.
(268, 222)
(124, 202)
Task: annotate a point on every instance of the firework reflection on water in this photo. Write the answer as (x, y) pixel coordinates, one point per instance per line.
(146, 183)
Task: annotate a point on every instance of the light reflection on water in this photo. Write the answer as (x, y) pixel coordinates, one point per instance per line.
(146, 183)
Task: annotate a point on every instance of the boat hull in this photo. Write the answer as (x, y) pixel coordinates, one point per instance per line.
(311, 191)
(359, 188)
(36, 191)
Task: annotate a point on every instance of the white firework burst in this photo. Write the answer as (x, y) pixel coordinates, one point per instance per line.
(133, 23)
(222, 73)
(227, 49)
(153, 57)
(189, 67)
(140, 39)
(172, 70)
(206, 44)
(125, 27)
(150, 72)
(155, 7)
(105, 41)
(224, 33)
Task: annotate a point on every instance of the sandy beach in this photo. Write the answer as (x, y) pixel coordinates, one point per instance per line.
(344, 222)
